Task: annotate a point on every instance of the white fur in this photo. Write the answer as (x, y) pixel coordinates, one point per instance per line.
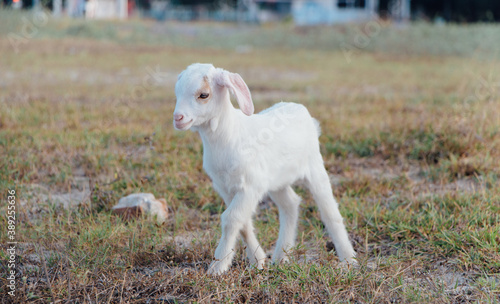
(249, 156)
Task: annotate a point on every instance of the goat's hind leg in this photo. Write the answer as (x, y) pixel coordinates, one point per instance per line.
(288, 203)
(318, 183)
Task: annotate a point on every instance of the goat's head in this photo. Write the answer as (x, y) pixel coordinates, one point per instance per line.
(201, 89)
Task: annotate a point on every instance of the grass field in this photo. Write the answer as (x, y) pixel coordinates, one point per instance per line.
(410, 137)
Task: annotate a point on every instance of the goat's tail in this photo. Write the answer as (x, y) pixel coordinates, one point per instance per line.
(318, 127)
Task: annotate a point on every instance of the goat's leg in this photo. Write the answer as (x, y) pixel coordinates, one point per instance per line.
(256, 255)
(288, 203)
(318, 183)
(233, 220)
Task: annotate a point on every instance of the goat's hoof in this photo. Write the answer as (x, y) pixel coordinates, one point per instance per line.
(281, 260)
(259, 264)
(350, 263)
(217, 268)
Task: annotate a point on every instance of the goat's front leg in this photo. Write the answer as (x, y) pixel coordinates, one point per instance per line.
(288, 203)
(233, 220)
(255, 253)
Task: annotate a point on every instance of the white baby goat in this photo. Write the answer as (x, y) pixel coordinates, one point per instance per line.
(249, 156)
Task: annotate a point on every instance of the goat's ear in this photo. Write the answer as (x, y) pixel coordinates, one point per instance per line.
(239, 88)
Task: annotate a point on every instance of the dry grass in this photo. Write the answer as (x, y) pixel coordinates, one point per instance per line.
(411, 142)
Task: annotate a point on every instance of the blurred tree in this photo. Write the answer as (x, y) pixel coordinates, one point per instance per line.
(457, 10)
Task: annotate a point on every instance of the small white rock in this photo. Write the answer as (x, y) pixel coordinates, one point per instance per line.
(134, 205)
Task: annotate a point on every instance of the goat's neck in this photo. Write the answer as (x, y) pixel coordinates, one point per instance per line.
(226, 121)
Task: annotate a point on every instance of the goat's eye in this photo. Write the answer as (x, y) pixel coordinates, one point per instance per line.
(203, 95)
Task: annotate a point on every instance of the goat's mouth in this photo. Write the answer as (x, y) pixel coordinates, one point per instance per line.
(183, 126)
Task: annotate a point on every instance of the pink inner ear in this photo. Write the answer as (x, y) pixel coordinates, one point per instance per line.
(242, 93)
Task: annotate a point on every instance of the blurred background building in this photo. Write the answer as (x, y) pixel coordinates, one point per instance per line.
(302, 12)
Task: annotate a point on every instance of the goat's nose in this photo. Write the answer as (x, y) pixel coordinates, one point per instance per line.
(178, 117)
